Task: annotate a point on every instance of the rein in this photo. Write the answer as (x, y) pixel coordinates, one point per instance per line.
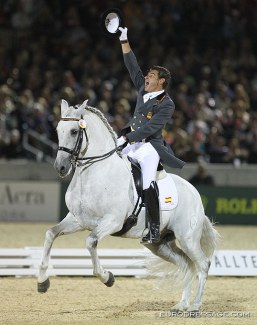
(75, 159)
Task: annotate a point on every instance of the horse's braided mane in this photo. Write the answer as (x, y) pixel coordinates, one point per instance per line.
(104, 120)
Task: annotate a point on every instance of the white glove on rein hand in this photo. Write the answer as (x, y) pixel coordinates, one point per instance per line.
(120, 141)
(124, 34)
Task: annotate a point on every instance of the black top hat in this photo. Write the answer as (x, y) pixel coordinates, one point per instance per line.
(110, 21)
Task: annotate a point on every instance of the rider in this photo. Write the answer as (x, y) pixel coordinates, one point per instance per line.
(143, 134)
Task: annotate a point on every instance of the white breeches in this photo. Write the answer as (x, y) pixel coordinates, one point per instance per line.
(147, 157)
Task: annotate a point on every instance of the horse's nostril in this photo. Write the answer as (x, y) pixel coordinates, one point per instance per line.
(62, 169)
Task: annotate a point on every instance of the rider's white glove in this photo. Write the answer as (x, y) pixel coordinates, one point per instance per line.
(124, 34)
(121, 141)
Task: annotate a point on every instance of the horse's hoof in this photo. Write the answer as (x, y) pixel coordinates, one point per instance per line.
(42, 287)
(178, 309)
(177, 312)
(111, 280)
(193, 313)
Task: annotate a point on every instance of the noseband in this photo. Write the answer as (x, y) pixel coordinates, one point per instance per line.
(82, 161)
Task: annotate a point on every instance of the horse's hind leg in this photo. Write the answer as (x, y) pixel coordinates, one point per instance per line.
(169, 251)
(66, 226)
(193, 250)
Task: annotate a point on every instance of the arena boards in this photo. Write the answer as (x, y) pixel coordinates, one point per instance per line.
(122, 262)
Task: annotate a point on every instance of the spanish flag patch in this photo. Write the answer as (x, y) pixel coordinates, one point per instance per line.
(168, 199)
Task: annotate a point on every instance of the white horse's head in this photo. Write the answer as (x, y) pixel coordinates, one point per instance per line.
(82, 131)
(69, 129)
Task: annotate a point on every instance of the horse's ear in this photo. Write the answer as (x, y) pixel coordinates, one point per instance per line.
(84, 104)
(64, 107)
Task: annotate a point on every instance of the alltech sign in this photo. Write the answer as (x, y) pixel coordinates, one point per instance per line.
(234, 263)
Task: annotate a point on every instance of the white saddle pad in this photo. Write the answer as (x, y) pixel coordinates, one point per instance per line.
(168, 194)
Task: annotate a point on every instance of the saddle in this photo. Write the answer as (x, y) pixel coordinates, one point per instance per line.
(138, 181)
(137, 175)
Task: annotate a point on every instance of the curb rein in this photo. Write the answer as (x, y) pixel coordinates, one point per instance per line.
(75, 160)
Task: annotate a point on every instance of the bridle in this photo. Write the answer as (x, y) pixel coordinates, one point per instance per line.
(83, 161)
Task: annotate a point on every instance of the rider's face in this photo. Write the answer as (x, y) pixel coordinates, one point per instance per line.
(153, 82)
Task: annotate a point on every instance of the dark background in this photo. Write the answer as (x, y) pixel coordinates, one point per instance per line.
(55, 49)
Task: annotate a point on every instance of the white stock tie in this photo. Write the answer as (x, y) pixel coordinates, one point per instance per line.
(146, 97)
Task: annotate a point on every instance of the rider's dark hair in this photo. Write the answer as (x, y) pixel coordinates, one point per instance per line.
(162, 73)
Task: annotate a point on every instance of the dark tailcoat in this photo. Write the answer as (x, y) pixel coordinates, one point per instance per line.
(151, 117)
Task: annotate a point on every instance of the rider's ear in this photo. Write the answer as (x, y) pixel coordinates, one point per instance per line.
(162, 81)
(64, 107)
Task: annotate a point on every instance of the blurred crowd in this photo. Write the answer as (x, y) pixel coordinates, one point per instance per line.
(56, 49)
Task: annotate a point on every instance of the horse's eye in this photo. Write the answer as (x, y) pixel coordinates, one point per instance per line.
(74, 132)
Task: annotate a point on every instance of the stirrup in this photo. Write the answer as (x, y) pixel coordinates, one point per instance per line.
(146, 239)
(153, 235)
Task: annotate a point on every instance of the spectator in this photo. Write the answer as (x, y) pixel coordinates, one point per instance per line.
(14, 148)
(55, 50)
(201, 177)
(235, 154)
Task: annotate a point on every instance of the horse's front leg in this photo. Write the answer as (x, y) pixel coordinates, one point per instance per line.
(66, 226)
(107, 226)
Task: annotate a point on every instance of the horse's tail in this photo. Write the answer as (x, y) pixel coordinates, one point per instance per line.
(184, 270)
(210, 237)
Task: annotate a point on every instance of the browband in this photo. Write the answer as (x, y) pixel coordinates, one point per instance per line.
(70, 119)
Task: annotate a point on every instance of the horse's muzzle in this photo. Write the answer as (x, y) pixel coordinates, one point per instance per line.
(63, 172)
(63, 168)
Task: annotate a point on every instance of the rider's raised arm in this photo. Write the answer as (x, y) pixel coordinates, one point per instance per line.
(130, 60)
(125, 46)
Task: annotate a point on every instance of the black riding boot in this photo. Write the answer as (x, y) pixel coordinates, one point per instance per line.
(152, 214)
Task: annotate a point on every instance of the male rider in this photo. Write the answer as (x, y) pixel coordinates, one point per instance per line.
(143, 134)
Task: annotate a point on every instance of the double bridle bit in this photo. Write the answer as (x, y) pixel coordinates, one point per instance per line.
(83, 161)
